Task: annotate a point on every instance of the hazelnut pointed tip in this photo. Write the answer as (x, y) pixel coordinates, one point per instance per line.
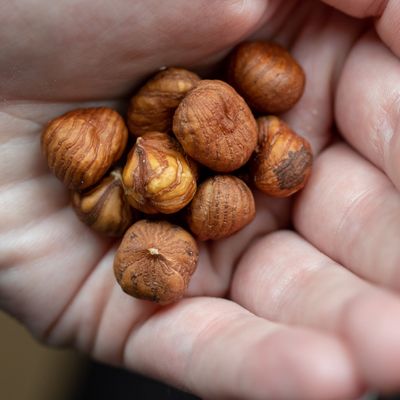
(153, 251)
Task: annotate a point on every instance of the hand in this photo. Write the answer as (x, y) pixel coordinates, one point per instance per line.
(305, 313)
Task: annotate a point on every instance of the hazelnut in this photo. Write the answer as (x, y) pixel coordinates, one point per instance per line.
(104, 208)
(221, 206)
(157, 176)
(153, 107)
(215, 126)
(283, 159)
(81, 145)
(267, 76)
(155, 261)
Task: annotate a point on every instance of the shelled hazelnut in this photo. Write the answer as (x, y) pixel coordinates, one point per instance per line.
(104, 207)
(155, 261)
(221, 206)
(153, 106)
(267, 76)
(157, 176)
(81, 145)
(215, 126)
(282, 161)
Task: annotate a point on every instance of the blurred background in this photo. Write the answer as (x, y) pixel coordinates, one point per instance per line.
(31, 371)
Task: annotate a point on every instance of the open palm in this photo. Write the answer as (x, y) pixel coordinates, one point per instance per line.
(290, 314)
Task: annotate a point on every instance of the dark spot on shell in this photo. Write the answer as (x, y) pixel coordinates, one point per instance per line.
(291, 171)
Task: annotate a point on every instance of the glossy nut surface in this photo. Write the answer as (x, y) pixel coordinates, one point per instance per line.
(157, 176)
(81, 145)
(267, 76)
(153, 106)
(283, 160)
(104, 207)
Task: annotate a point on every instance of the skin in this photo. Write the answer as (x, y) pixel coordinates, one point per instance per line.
(308, 313)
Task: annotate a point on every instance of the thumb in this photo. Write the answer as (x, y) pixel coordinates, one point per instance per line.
(95, 50)
(385, 12)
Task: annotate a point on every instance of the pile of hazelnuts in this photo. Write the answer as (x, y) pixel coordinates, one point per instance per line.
(191, 141)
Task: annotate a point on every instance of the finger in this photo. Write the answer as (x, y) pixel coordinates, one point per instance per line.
(208, 346)
(106, 59)
(386, 13)
(321, 48)
(99, 317)
(43, 267)
(368, 104)
(351, 212)
(304, 287)
(217, 350)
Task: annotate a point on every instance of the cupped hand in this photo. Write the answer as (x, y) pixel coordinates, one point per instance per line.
(310, 312)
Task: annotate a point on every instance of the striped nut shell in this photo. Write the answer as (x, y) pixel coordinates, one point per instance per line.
(282, 161)
(221, 206)
(104, 207)
(155, 261)
(81, 145)
(215, 126)
(158, 178)
(152, 107)
(267, 76)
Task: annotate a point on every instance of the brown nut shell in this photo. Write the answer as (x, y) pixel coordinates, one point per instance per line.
(81, 145)
(283, 160)
(221, 206)
(215, 126)
(267, 76)
(157, 176)
(155, 261)
(152, 107)
(104, 207)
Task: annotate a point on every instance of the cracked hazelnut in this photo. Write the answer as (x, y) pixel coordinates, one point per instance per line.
(267, 76)
(153, 107)
(221, 206)
(104, 207)
(157, 176)
(81, 145)
(215, 126)
(282, 161)
(155, 261)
